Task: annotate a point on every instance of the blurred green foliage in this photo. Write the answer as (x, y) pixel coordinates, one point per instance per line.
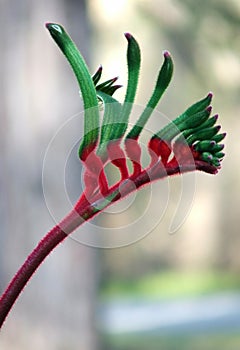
(154, 342)
(171, 284)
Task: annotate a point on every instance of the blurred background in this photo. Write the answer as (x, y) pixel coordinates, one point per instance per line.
(178, 291)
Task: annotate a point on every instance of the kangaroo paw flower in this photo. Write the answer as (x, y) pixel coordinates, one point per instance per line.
(190, 142)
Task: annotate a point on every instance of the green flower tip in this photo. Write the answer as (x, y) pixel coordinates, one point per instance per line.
(55, 29)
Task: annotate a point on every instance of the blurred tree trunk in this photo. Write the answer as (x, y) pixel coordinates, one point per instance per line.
(38, 93)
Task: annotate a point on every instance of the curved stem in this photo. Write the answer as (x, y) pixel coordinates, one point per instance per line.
(83, 211)
(34, 260)
(19, 281)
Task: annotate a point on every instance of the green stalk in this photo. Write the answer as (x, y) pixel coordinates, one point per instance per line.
(163, 80)
(133, 62)
(80, 69)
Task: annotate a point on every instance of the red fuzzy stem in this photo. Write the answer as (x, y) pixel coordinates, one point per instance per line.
(34, 260)
(45, 246)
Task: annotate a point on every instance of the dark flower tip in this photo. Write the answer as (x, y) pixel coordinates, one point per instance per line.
(166, 54)
(128, 36)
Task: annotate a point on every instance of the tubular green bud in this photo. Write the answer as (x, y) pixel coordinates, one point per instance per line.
(204, 134)
(164, 77)
(198, 111)
(219, 155)
(209, 122)
(187, 123)
(133, 62)
(163, 80)
(218, 148)
(204, 146)
(193, 121)
(200, 105)
(219, 137)
(90, 101)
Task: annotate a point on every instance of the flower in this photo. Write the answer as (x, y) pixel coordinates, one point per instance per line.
(190, 142)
